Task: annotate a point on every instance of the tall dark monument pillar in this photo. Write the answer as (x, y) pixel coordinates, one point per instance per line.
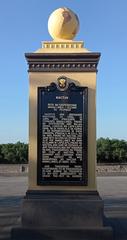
(62, 201)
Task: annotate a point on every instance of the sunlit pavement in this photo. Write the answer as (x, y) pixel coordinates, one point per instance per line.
(112, 189)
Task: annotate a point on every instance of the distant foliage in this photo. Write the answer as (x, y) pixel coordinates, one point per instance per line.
(108, 151)
(14, 153)
(111, 151)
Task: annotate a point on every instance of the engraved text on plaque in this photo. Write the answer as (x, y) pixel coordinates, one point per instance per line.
(62, 135)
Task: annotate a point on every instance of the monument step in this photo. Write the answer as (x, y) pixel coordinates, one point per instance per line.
(5, 231)
(104, 233)
(9, 218)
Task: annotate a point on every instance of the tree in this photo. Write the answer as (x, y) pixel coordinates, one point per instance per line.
(111, 150)
(14, 153)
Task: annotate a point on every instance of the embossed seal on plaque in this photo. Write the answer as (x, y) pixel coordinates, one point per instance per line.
(62, 83)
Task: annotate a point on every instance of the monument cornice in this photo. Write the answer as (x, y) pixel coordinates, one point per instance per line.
(63, 62)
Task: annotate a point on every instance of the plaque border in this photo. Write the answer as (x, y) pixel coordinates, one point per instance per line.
(84, 181)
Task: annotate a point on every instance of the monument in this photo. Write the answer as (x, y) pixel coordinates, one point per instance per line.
(62, 201)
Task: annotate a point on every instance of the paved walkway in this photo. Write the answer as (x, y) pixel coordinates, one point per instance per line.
(108, 187)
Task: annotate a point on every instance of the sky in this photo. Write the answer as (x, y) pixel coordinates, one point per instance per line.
(103, 28)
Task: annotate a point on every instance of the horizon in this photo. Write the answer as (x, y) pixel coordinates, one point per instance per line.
(96, 140)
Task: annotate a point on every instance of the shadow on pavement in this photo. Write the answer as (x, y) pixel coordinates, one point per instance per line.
(116, 216)
(119, 226)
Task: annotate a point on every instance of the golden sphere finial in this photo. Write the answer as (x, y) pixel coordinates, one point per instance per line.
(63, 24)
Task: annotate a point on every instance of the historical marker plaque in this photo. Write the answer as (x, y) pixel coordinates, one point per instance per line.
(62, 134)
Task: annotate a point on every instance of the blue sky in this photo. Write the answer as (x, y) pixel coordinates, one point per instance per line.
(23, 25)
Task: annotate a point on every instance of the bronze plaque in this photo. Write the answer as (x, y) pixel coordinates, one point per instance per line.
(62, 134)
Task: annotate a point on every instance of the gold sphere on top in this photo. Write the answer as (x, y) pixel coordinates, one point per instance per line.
(63, 24)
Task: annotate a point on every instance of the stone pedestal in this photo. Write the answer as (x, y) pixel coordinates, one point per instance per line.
(61, 215)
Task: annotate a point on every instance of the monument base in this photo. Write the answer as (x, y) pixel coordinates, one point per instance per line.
(61, 215)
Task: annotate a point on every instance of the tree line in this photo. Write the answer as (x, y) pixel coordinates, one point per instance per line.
(108, 151)
(14, 153)
(111, 151)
